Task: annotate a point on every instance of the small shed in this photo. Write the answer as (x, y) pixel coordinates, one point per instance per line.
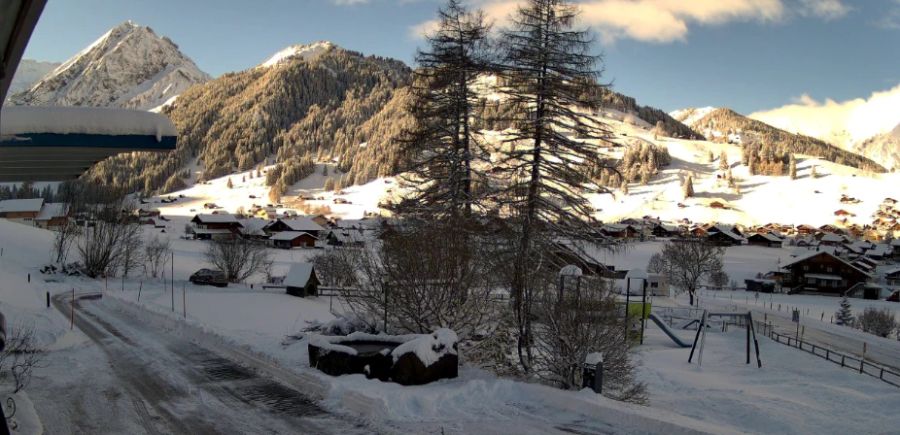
(301, 280)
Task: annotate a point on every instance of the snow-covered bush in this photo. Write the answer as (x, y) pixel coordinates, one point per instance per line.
(579, 320)
(344, 324)
(879, 322)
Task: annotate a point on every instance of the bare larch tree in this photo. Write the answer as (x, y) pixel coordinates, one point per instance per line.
(441, 149)
(544, 174)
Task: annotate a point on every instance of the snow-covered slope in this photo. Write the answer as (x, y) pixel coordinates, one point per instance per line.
(300, 51)
(28, 73)
(130, 66)
(884, 148)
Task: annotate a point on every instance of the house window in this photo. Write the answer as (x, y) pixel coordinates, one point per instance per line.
(829, 269)
(805, 267)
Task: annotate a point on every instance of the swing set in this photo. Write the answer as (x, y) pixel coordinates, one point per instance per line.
(700, 338)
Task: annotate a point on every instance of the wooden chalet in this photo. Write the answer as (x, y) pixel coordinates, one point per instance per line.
(21, 210)
(293, 239)
(298, 224)
(216, 226)
(725, 238)
(822, 272)
(764, 239)
(663, 230)
(892, 277)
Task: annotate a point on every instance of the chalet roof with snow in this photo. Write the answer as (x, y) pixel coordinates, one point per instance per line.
(301, 223)
(21, 205)
(833, 238)
(290, 235)
(298, 275)
(220, 218)
(768, 236)
(52, 210)
(253, 226)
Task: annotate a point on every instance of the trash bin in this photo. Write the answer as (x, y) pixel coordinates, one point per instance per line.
(592, 372)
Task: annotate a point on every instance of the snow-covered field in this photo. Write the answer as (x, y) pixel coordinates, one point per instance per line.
(793, 392)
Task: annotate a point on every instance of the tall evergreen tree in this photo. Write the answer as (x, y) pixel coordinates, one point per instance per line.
(688, 187)
(549, 70)
(844, 315)
(792, 167)
(441, 148)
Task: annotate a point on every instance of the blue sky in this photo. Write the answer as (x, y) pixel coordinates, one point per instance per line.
(746, 54)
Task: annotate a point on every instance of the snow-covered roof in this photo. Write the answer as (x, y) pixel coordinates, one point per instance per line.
(52, 210)
(220, 218)
(298, 275)
(21, 205)
(768, 236)
(253, 226)
(302, 223)
(831, 237)
(20, 120)
(289, 235)
(892, 271)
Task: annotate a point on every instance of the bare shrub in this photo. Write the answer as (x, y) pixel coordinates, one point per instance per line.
(880, 322)
(578, 316)
(20, 357)
(239, 258)
(419, 278)
(156, 254)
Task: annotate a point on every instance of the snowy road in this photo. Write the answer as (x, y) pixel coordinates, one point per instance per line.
(179, 386)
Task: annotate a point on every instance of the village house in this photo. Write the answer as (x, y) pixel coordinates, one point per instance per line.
(892, 277)
(724, 238)
(764, 239)
(345, 237)
(619, 231)
(822, 272)
(831, 239)
(663, 230)
(301, 280)
(53, 215)
(293, 239)
(21, 211)
(299, 224)
(215, 226)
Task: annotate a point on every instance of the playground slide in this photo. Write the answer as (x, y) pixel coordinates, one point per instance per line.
(665, 328)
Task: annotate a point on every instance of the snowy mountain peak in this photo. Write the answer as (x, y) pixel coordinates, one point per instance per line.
(129, 66)
(301, 51)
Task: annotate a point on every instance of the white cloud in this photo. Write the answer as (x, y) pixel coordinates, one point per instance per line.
(349, 2)
(839, 122)
(825, 9)
(665, 21)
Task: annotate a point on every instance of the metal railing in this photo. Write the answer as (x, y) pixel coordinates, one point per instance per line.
(858, 364)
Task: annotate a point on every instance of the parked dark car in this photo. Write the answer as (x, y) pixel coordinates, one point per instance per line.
(209, 277)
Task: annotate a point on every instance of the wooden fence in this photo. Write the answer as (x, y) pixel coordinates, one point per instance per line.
(880, 372)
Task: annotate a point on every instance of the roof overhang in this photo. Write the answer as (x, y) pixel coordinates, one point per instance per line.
(17, 21)
(61, 143)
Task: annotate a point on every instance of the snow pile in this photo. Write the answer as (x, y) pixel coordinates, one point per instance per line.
(332, 343)
(429, 348)
(300, 51)
(83, 120)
